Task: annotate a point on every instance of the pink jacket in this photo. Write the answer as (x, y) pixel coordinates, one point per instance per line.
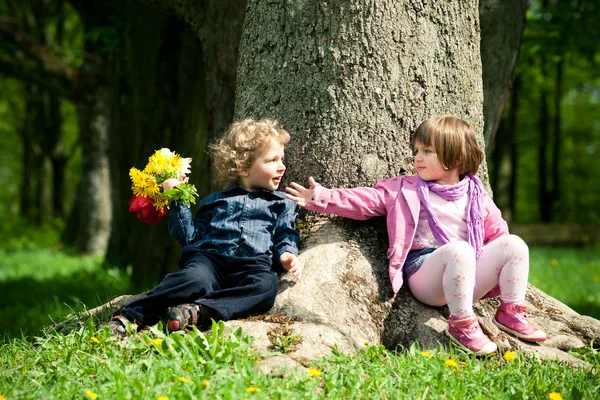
(397, 199)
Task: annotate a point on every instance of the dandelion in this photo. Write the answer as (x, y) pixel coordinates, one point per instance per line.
(162, 398)
(426, 354)
(2, 397)
(554, 396)
(554, 262)
(252, 389)
(366, 342)
(94, 339)
(184, 379)
(91, 394)
(205, 383)
(451, 363)
(509, 356)
(314, 372)
(156, 342)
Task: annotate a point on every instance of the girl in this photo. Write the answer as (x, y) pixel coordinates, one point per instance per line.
(447, 238)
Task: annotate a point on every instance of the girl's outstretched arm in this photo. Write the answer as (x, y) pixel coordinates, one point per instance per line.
(357, 203)
(299, 194)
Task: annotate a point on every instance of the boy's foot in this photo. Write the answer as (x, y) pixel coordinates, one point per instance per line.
(467, 333)
(512, 318)
(184, 316)
(120, 326)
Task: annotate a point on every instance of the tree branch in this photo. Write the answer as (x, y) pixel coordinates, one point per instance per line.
(55, 70)
(25, 72)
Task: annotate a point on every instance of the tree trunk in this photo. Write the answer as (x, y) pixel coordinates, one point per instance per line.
(544, 199)
(557, 143)
(502, 25)
(159, 101)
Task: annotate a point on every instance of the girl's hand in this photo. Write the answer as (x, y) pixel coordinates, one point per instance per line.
(171, 183)
(291, 264)
(299, 194)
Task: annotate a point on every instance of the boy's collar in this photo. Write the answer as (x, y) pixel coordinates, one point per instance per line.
(235, 187)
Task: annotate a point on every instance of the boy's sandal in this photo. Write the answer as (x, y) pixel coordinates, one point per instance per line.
(120, 326)
(184, 316)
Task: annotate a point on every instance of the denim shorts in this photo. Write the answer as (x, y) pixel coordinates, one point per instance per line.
(414, 260)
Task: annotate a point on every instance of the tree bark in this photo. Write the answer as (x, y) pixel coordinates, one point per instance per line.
(502, 25)
(159, 101)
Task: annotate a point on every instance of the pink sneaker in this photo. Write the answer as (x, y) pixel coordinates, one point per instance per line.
(512, 318)
(467, 333)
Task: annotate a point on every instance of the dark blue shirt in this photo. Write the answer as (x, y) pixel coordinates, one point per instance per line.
(239, 223)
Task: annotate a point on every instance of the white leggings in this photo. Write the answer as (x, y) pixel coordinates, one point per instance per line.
(452, 275)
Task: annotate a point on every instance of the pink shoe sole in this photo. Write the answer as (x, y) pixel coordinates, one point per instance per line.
(537, 336)
(489, 348)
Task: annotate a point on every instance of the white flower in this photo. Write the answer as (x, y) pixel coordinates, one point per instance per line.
(185, 166)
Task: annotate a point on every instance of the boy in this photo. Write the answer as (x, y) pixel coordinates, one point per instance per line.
(236, 237)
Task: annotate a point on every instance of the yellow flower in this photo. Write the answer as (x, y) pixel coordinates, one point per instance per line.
(163, 398)
(158, 162)
(91, 394)
(314, 372)
(366, 342)
(554, 262)
(143, 184)
(160, 202)
(509, 356)
(94, 339)
(184, 379)
(554, 396)
(252, 389)
(451, 363)
(205, 383)
(426, 354)
(2, 397)
(156, 342)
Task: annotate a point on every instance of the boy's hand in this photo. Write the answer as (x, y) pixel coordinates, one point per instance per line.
(170, 184)
(299, 193)
(291, 264)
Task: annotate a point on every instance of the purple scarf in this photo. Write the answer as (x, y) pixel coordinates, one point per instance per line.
(472, 186)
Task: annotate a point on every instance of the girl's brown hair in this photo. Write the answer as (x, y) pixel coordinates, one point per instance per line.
(454, 142)
(243, 142)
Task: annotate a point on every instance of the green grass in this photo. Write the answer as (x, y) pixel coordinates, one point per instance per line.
(571, 275)
(41, 284)
(153, 365)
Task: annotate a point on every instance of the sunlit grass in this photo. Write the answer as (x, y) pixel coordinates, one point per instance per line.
(571, 275)
(87, 363)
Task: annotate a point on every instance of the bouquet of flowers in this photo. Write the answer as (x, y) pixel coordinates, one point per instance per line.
(149, 201)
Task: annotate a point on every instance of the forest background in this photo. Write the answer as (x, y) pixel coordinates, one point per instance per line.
(65, 66)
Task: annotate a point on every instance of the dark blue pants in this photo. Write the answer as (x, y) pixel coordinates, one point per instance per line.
(231, 287)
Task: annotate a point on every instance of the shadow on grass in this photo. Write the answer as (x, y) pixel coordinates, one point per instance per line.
(587, 308)
(28, 305)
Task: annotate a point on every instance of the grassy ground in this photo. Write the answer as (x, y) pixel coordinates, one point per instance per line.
(41, 284)
(571, 275)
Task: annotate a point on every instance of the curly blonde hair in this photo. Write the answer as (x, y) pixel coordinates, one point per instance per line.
(243, 143)
(454, 142)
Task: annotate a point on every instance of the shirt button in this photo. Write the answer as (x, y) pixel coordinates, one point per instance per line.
(248, 205)
(312, 198)
(406, 246)
(322, 201)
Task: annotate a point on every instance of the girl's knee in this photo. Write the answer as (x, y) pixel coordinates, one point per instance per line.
(516, 244)
(460, 248)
